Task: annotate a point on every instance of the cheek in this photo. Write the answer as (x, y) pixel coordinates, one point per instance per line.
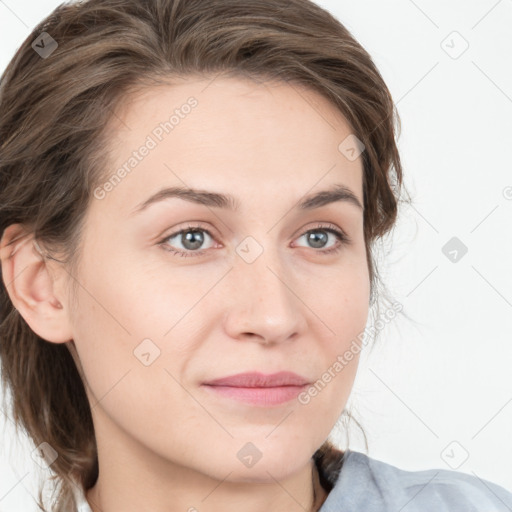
(103, 345)
(107, 311)
(343, 310)
(343, 300)
(125, 363)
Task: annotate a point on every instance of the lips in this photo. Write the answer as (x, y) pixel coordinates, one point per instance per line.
(260, 380)
(258, 389)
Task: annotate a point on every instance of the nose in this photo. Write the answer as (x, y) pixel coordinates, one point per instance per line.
(263, 304)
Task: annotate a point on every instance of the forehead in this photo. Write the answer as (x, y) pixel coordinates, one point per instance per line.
(229, 133)
(213, 91)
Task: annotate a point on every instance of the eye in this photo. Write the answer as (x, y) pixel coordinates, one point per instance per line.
(319, 236)
(192, 238)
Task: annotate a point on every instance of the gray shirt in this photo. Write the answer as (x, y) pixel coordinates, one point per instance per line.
(369, 485)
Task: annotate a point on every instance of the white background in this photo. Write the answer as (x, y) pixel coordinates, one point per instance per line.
(437, 389)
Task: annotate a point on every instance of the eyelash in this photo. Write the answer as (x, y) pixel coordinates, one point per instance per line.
(330, 228)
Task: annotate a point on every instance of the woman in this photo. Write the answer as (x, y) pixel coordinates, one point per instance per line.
(190, 194)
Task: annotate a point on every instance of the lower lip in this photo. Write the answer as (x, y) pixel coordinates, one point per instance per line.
(259, 396)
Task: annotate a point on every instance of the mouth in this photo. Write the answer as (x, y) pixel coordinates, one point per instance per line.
(256, 388)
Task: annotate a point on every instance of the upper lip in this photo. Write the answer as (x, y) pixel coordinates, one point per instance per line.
(260, 380)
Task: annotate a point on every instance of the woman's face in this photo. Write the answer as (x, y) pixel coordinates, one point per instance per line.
(249, 291)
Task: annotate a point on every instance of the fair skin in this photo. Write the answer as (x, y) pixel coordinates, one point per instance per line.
(166, 443)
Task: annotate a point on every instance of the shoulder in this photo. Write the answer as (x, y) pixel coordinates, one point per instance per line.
(372, 485)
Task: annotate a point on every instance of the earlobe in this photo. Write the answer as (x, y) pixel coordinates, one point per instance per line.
(30, 284)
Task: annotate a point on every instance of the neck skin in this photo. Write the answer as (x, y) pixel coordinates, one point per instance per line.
(131, 479)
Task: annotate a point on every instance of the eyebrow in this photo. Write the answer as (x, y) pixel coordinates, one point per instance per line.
(336, 193)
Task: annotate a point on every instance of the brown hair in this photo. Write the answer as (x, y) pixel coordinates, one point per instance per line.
(54, 140)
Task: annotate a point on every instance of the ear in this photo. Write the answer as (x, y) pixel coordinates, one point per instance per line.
(30, 284)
